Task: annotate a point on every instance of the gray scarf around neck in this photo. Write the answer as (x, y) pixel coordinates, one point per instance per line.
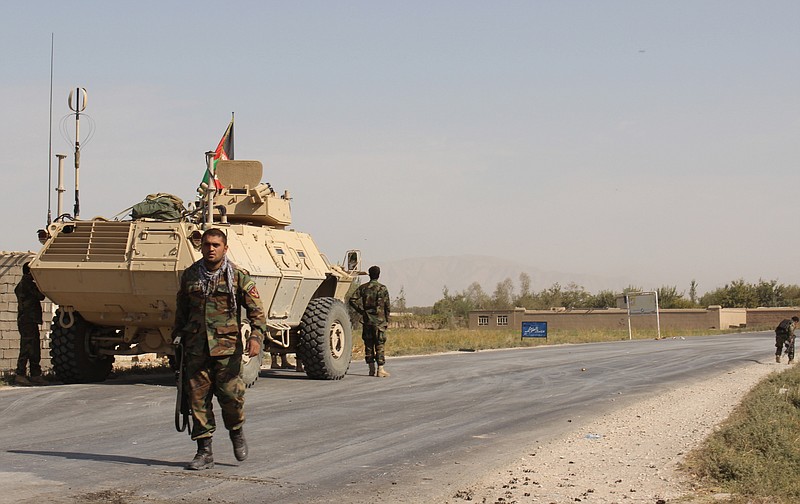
(210, 280)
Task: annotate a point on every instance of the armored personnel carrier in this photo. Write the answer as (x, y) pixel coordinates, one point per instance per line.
(115, 281)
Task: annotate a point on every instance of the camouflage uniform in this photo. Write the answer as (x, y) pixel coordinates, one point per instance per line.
(29, 316)
(371, 301)
(213, 347)
(785, 338)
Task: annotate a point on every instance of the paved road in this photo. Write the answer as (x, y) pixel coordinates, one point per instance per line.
(421, 435)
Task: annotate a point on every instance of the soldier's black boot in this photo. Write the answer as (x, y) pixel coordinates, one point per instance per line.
(239, 444)
(203, 459)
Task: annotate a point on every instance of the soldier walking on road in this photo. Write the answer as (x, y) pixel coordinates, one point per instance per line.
(212, 292)
(784, 337)
(29, 317)
(371, 301)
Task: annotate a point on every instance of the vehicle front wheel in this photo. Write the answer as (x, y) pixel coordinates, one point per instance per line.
(325, 344)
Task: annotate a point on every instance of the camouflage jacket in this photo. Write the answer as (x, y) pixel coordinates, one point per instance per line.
(200, 320)
(29, 306)
(371, 301)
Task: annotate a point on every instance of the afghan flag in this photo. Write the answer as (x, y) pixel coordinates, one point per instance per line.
(224, 151)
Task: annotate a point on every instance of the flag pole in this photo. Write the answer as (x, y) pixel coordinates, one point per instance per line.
(210, 190)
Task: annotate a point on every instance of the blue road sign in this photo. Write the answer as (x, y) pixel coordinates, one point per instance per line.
(534, 329)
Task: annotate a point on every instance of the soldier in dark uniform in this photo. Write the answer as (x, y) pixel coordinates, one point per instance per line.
(212, 292)
(29, 317)
(784, 337)
(371, 301)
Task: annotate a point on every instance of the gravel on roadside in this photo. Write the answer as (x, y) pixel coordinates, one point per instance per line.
(630, 455)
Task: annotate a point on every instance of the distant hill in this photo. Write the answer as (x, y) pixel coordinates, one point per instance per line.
(423, 278)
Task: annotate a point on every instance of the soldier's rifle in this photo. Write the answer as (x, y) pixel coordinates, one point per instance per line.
(182, 409)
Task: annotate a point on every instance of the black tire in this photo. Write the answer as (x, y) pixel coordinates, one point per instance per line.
(251, 367)
(70, 354)
(325, 344)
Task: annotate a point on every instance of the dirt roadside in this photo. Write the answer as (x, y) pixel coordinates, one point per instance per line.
(626, 456)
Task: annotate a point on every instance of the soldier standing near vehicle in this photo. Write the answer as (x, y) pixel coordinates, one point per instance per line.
(212, 292)
(371, 301)
(29, 317)
(784, 337)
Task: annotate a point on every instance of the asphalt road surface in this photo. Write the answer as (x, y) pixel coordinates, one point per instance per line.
(429, 430)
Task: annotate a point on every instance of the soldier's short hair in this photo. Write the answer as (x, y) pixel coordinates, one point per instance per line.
(215, 232)
(374, 272)
(26, 268)
(796, 319)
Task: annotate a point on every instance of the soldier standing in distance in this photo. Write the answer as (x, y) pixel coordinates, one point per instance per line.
(371, 301)
(784, 336)
(212, 292)
(29, 316)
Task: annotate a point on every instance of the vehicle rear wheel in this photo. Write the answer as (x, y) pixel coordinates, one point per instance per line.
(71, 353)
(325, 344)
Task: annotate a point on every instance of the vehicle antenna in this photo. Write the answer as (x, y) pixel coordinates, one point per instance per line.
(50, 153)
(77, 103)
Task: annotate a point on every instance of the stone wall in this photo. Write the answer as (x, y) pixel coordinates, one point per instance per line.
(769, 318)
(10, 274)
(714, 317)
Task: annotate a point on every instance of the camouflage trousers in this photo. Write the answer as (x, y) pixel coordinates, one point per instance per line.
(374, 344)
(214, 376)
(784, 340)
(30, 350)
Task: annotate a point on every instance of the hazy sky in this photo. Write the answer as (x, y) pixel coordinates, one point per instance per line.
(655, 140)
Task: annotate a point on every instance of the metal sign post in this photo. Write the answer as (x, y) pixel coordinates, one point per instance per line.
(628, 305)
(642, 303)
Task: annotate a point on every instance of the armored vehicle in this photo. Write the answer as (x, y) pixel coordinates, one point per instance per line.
(115, 281)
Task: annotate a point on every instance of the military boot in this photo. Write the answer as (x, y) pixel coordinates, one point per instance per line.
(22, 380)
(382, 373)
(40, 380)
(778, 359)
(239, 444)
(203, 459)
(371, 368)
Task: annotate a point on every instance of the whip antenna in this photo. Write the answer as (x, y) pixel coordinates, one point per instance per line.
(77, 103)
(50, 153)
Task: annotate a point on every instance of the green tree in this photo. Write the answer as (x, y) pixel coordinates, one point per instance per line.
(524, 284)
(475, 295)
(575, 296)
(453, 309)
(693, 292)
(668, 297)
(526, 298)
(791, 295)
(399, 303)
(503, 296)
(632, 288)
(603, 299)
(769, 293)
(551, 297)
(737, 294)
